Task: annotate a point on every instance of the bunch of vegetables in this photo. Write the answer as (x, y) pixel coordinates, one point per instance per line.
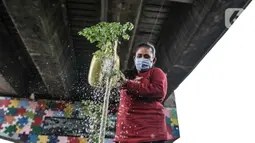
(105, 61)
(104, 68)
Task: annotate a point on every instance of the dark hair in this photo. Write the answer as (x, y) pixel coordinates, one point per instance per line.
(146, 45)
(131, 73)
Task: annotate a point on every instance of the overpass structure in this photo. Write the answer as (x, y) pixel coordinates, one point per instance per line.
(41, 52)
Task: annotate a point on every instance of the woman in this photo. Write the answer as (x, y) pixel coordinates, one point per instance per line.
(140, 115)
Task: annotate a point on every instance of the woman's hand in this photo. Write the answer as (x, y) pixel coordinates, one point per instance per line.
(137, 79)
(123, 81)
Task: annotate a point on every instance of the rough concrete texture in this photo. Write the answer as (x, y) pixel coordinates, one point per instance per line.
(5, 87)
(191, 31)
(41, 26)
(11, 72)
(125, 11)
(170, 101)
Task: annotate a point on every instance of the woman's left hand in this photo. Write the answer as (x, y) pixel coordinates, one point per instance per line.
(137, 79)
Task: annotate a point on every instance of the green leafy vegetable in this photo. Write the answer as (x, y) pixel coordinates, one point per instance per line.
(104, 34)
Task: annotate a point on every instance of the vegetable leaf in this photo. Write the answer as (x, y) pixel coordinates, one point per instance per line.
(104, 33)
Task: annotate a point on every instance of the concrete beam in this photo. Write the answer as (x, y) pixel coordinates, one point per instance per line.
(182, 1)
(170, 101)
(42, 27)
(131, 42)
(179, 1)
(191, 32)
(5, 86)
(11, 71)
(104, 10)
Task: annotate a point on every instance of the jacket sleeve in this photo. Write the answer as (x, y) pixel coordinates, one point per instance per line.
(157, 86)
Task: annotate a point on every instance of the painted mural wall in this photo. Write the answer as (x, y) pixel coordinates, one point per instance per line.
(46, 121)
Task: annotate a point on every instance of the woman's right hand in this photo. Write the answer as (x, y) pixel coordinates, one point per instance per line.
(123, 80)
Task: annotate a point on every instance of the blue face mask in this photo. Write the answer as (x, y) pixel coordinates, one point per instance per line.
(143, 64)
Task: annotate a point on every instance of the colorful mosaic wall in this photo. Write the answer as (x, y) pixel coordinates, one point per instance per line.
(172, 123)
(23, 120)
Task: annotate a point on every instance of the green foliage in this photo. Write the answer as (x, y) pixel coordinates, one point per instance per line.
(104, 34)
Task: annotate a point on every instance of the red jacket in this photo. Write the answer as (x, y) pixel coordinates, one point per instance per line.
(140, 115)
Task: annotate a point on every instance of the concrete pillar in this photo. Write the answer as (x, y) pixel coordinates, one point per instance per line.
(12, 76)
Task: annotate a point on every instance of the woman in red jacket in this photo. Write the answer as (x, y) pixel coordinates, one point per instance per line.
(140, 114)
